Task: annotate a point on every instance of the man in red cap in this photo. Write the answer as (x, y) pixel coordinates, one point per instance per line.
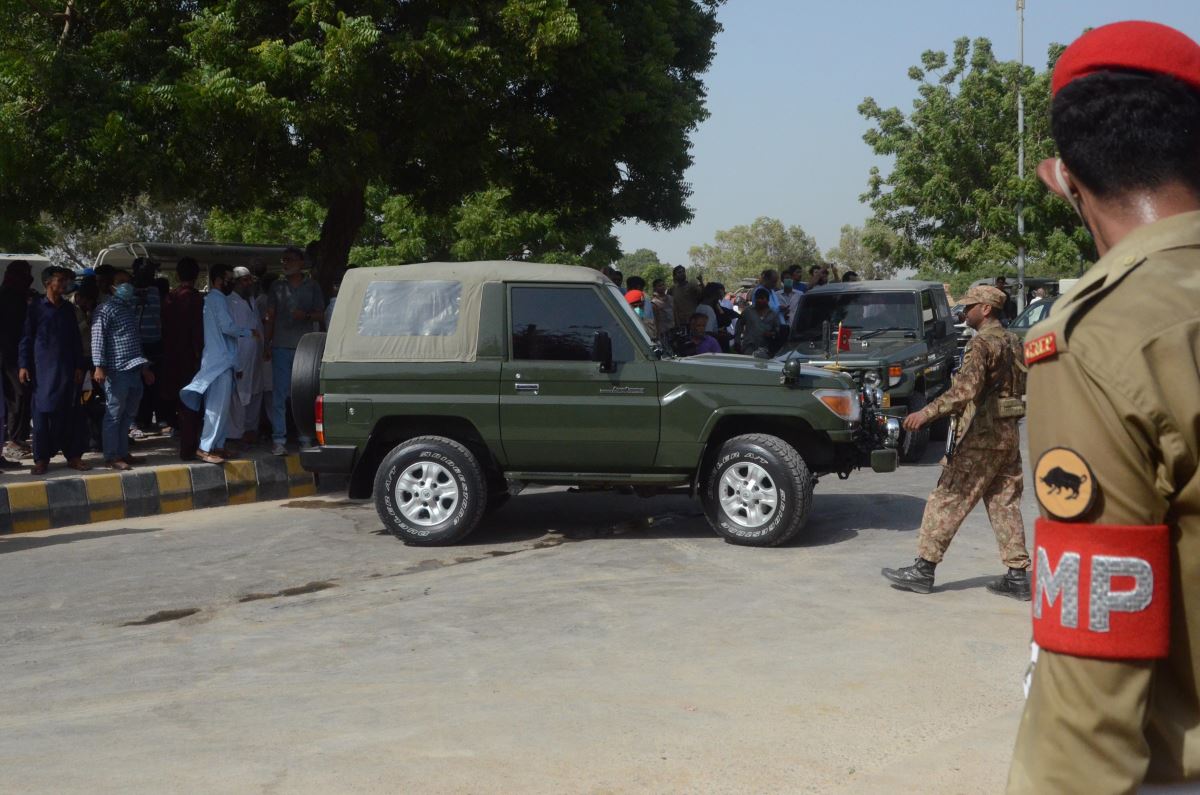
(1114, 408)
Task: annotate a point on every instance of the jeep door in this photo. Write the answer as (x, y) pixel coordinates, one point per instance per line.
(938, 328)
(558, 412)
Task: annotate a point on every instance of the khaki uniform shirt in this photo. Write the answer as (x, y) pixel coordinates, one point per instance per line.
(1123, 391)
(991, 369)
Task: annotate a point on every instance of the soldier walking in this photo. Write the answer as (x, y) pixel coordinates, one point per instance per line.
(1114, 408)
(986, 461)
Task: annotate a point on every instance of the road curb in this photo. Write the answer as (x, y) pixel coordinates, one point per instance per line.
(99, 497)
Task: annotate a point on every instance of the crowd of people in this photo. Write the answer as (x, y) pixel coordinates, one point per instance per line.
(107, 356)
(691, 318)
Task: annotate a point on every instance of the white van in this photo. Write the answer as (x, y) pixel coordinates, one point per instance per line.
(37, 264)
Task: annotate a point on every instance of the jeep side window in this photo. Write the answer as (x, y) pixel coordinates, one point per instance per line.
(560, 323)
(927, 312)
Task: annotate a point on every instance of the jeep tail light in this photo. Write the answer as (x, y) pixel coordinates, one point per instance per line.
(894, 374)
(319, 416)
(841, 402)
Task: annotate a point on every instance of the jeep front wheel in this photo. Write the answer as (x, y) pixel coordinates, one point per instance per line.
(758, 491)
(430, 491)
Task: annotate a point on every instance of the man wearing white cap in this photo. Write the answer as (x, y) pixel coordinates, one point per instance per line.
(246, 400)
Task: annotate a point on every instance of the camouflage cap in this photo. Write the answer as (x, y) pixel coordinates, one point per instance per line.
(985, 294)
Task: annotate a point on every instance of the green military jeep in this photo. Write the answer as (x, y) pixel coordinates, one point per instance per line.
(444, 388)
(901, 332)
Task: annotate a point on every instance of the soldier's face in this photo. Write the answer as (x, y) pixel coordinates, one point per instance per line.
(973, 315)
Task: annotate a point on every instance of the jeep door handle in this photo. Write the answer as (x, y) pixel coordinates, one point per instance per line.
(527, 387)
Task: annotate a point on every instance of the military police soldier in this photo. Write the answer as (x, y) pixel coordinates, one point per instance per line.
(986, 396)
(1114, 411)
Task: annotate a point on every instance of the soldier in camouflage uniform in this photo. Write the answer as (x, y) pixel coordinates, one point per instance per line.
(986, 463)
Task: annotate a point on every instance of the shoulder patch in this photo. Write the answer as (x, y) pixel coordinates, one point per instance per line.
(1043, 347)
(1064, 484)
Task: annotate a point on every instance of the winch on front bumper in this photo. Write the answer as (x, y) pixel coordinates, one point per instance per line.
(878, 435)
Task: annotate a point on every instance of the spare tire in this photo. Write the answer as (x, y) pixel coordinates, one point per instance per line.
(306, 383)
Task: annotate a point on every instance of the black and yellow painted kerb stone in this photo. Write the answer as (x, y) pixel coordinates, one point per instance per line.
(99, 497)
(1064, 484)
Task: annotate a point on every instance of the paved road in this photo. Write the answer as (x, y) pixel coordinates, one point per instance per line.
(578, 643)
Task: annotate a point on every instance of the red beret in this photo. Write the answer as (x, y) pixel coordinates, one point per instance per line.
(1136, 46)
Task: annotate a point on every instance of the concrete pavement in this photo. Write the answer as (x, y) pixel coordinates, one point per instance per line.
(576, 643)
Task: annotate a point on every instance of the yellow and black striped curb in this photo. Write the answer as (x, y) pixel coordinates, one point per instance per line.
(26, 507)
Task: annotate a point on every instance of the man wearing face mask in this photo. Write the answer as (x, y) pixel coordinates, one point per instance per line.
(789, 297)
(1114, 404)
(294, 304)
(211, 389)
(120, 368)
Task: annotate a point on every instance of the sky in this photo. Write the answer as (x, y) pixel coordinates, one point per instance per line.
(784, 138)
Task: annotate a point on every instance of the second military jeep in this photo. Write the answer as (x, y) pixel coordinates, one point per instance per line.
(442, 389)
(901, 336)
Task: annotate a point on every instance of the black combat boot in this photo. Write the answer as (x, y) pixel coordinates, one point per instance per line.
(917, 578)
(1014, 585)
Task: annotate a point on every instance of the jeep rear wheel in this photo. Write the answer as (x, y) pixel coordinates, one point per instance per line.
(757, 491)
(430, 491)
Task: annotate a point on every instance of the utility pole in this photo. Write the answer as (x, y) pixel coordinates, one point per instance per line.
(1020, 156)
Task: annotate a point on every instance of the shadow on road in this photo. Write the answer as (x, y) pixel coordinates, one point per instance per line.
(19, 544)
(965, 585)
(835, 517)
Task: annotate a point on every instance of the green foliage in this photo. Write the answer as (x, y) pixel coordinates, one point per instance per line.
(866, 250)
(952, 193)
(295, 225)
(744, 252)
(644, 263)
(503, 124)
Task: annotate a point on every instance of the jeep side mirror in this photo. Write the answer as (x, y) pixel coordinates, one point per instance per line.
(602, 351)
(943, 328)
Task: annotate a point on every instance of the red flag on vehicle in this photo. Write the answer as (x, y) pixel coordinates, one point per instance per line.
(843, 341)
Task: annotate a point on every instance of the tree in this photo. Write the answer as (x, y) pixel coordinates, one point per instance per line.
(579, 110)
(644, 263)
(744, 252)
(952, 193)
(139, 221)
(866, 250)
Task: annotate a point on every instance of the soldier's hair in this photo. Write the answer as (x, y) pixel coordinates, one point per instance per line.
(1123, 131)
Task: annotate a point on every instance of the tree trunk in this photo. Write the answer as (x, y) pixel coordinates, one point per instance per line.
(330, 253)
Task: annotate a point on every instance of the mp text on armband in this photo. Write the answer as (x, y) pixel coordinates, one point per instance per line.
(1101, 590)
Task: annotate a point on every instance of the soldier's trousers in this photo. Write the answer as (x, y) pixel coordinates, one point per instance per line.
(971, 475)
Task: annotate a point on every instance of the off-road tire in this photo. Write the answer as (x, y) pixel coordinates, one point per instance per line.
(790, 477)
(306, 382)
(912, 445)
(453, 458)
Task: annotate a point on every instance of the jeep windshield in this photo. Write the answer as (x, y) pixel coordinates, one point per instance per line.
(862, 311)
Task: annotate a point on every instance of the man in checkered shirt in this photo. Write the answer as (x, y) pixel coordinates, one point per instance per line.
(120, 367)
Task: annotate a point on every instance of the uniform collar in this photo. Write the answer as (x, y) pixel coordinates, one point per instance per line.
(1176, 231)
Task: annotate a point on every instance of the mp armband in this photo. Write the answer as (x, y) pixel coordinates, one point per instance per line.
(1102, 591)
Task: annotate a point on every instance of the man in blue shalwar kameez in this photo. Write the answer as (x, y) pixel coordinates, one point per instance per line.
(212, 387)
(51, 359)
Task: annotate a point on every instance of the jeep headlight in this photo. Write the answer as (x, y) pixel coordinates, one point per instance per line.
(842, 402)
(872, 395)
